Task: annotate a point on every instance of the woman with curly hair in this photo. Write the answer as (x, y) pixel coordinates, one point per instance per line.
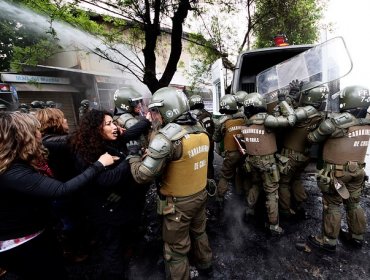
(27, 246)
(107, 200)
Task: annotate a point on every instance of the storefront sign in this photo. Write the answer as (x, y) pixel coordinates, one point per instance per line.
(15, 78)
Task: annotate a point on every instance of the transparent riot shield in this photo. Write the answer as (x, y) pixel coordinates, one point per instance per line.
(326, 62)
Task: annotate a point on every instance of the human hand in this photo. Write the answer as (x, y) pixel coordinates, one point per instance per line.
(106, 159)
(121, 130)
(149, 116)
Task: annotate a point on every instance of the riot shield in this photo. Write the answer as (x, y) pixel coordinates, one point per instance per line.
(326, 62)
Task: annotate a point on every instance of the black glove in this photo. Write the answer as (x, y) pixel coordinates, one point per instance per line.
(295, 88)
(134, 148)
(281, 95)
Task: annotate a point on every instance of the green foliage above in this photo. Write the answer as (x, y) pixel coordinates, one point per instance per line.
(33, 54)
(154, 29)
(297, 19)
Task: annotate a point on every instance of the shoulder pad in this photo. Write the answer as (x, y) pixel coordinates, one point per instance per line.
(188, 129)
(196, 112)
(170, 130)
(197, 128)
(224, 119)
(126, 120)
(327, 127)
(311, 111)
(344, 120)
(257, 119)
(160, 146)
(238, 115)
(306, 112)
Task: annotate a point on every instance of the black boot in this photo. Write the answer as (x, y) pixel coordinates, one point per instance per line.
(347, 239)
(317, 242)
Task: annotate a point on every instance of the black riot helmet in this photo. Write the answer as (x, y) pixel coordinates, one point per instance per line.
(24, 108)
(50, 104)
(85, 104)
(196, 102)
(37, 104)
(254, 103)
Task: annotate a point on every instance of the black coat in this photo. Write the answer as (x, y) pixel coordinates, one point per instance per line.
(108, 199)
(25, 197)
(60, 158)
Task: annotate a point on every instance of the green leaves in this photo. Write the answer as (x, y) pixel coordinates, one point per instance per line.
(33, 54)
(297, 19)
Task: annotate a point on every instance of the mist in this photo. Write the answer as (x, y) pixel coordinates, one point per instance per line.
(72, 39)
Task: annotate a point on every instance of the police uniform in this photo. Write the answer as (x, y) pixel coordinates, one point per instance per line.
(260, 143)
(293, 159)
(228, 126)
(175, 152)
(342, 178)
(261, 147)
(206, 120)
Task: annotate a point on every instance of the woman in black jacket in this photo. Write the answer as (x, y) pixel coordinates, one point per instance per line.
(54, 130)
(107, 201)
(27, 247)
(70, 225)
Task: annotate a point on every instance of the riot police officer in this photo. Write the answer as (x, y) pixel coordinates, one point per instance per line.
(260, 146)
(228, 125)
(128, 105)
(36, 105)
(240, 96)
(84, 108)
(346, 137)
(130, 115)
(176, 150)
(205, 118)
(24, 108)
(295, 153)
(50, 104)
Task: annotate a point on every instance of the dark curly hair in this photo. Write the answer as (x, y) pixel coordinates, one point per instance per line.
(87, 140)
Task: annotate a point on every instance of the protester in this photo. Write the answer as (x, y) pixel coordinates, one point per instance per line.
(70, 223)
(107, 202)
(27, 245)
